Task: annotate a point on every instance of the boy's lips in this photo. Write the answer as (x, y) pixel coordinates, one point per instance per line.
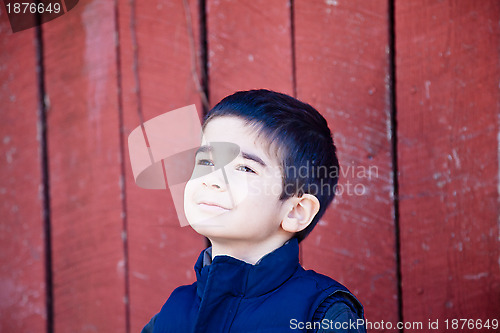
(211, 205)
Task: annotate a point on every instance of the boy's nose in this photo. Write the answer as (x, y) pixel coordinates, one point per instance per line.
(214, 180)
(212, 185)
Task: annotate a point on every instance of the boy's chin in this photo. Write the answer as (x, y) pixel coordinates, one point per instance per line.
(207, 218)
(206, 226)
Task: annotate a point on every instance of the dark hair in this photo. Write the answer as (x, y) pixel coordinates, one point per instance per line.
(301, 139)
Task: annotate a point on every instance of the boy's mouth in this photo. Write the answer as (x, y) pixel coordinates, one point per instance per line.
(213, 206)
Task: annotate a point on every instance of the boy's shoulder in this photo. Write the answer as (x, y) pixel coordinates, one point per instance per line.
(332, 292)
(184, 295)
(323, 282)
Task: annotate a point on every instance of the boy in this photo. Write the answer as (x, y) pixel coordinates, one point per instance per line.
(262, 180)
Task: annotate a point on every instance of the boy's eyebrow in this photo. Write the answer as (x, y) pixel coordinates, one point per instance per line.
(204, 149)
(253, 157)
(248, 156)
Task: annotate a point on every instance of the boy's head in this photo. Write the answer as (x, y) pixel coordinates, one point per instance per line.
(290, 136)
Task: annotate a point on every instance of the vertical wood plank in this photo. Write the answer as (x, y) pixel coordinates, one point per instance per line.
(157, 69)
(249, 46)
(448, 100)
(85, 172)
(342, 69)
(22, 254)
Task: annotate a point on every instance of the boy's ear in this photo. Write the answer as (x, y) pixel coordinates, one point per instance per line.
(301, 213)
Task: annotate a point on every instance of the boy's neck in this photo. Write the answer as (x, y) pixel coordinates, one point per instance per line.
(250, 253)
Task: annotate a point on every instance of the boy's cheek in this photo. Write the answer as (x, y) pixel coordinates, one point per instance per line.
(239, 188)
(262, 188)
(254, 187)
(188, 190)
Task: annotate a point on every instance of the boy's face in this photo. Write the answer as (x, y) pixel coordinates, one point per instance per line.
(239, 202)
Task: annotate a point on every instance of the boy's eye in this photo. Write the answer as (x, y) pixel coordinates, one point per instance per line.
(244, 168)
(205, 162)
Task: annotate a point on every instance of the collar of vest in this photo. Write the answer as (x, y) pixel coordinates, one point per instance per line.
(230, 276)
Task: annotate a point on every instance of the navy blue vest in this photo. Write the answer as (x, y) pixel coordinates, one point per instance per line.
(233, 296)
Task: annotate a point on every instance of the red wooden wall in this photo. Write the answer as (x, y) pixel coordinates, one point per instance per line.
(448, 99)
(410, 91)
(22, 242)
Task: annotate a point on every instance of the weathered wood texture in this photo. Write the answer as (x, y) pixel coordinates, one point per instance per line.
(157, 65)
(249, 46)
(85, 170)
(342, 67)
(22, 255)
(448, 99)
